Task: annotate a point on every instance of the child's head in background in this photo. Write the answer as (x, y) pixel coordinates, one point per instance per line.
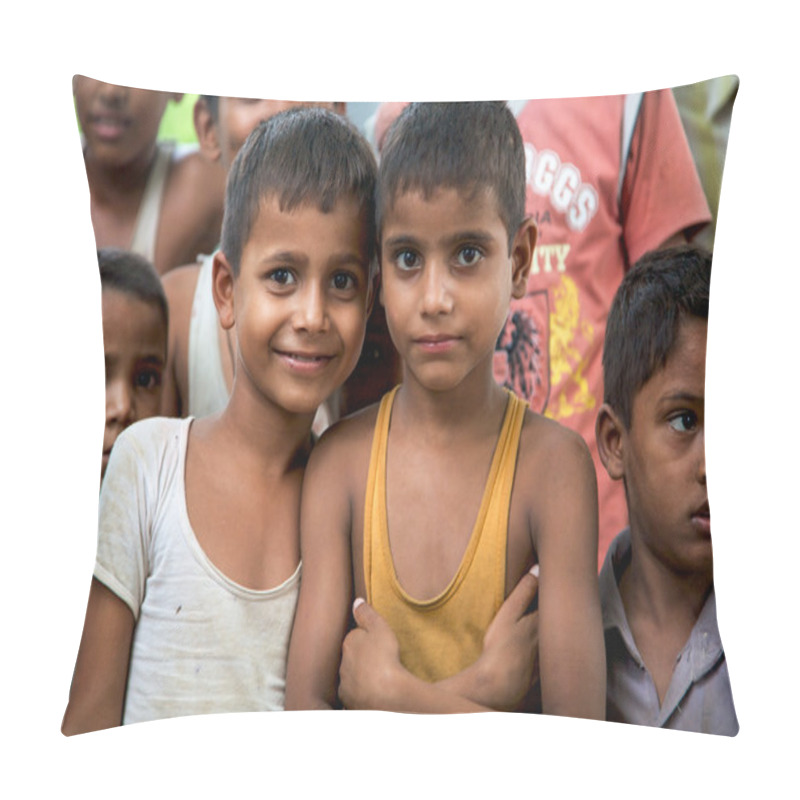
(134, 340)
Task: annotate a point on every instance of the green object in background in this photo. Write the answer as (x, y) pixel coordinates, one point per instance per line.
(178, 123)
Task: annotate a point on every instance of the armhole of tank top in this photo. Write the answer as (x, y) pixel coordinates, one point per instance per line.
(377, 465)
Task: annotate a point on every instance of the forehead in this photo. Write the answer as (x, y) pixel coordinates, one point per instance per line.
(308, 231)
(132, 323)
(685, 370)
(467, 207)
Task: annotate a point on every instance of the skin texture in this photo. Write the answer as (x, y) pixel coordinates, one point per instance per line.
(135, 343)
(447, 278)
(220, 139)
(297, 296)
(120, 126)
(661, 458)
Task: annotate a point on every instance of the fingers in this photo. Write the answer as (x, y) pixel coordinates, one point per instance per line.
(516, 604)
(366, 616)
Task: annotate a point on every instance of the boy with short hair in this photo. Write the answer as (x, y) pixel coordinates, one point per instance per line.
(145, 196)
(135, 323)
(465, 488)
(666, 665)
(197, 572)
(199, 372)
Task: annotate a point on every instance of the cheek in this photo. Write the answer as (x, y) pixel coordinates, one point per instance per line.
(147, 404)
(352, 326)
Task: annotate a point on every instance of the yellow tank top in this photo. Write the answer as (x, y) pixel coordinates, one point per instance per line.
(442, 636)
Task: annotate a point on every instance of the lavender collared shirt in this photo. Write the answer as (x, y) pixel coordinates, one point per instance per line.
(699, 695)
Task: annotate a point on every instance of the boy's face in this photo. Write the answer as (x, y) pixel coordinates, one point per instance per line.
(446, 281)
(664, 458)
(135, 344)
(238, 117)
(299, 302)
(119, 123)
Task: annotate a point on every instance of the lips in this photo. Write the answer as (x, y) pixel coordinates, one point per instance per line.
(701, 519)
(108, 127)
(304, 362)
(436, 342)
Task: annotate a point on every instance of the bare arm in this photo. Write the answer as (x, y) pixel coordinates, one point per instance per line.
(571, 646)
(326, 587)
(179, 286)
(97, 692)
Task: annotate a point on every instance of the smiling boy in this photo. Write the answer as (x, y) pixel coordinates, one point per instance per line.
(435, 503)
(197, 571)
(666, 665)
(145, 197)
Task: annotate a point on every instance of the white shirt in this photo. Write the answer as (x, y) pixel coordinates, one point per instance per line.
(202, 643)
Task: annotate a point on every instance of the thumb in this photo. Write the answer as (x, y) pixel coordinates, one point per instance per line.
(517, 603)
(366, 616)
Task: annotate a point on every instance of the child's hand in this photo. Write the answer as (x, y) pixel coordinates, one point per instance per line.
(509, 662)
(370, 660)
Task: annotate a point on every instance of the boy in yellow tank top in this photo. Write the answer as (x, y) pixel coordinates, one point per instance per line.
(435, 503)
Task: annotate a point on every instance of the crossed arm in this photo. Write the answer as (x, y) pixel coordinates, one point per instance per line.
(371, 673)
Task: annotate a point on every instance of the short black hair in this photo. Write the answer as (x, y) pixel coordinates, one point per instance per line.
(661, 290)
(469, 147)
(299, 156)
(130, 273)
(212, 103)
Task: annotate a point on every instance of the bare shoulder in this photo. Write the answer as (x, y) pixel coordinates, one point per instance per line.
(544, 438)
(554, 459)
(180, 284)
(194, 171)
(346, 445)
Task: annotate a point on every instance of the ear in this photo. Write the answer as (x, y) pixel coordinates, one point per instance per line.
(522, 249)
(206, 129)
(611, 434)
(222, 285)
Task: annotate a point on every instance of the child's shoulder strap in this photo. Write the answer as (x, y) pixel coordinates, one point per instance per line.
(146, 226)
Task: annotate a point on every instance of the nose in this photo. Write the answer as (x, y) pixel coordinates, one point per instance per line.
(701, 462)
(120, 408)
(113, 95)
(311, 314)
(436, 295)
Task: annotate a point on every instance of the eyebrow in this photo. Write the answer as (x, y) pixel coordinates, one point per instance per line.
(294, 257)
(478, 236)
(683, 397)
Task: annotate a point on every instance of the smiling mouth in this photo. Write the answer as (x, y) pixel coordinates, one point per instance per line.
(108, 127)
(304, 362)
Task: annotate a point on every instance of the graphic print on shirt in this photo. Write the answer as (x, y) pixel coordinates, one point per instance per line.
(546, 340)
(522, 352)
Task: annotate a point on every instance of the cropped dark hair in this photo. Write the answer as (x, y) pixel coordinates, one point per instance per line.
(212, 103)
(299, 156)
(662, 289)
(469, 147)
(132, 274)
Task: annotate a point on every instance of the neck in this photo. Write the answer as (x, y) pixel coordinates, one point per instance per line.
(263, 433)
(118, 179)
(667, 597)
(471, 406)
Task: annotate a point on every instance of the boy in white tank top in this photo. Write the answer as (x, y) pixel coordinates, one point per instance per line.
(197, 569)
